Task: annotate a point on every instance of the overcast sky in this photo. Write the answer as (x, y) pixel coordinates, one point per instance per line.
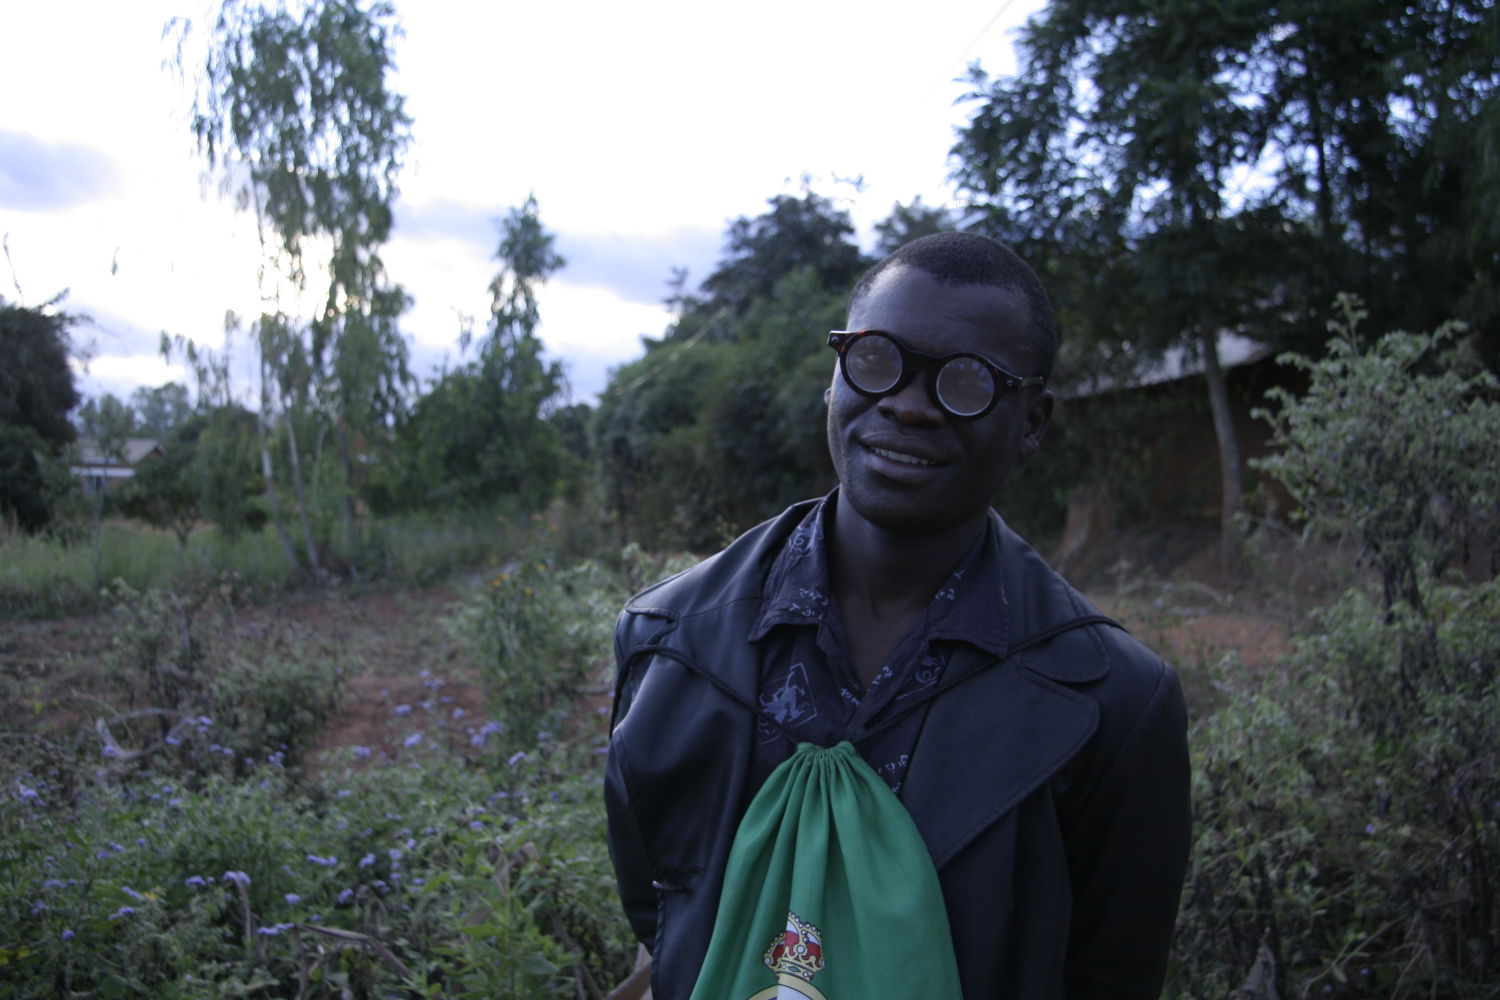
(643, 129)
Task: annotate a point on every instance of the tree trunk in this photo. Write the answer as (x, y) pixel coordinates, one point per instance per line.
(1231, 481)
(301, 494)
(269, 475)
(351, 533)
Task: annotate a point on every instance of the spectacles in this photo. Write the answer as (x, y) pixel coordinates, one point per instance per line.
(965, 385)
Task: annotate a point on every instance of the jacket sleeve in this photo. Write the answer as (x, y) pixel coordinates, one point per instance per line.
(1127, 849)
(627, 849)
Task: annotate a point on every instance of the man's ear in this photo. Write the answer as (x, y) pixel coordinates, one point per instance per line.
(828, 395)
(1038, 415)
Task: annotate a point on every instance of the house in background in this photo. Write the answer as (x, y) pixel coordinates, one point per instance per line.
(98, 471)
(1148, 453)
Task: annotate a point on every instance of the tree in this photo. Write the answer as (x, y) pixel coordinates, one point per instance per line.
(1125, 158)
(206, 471)
(795, 234)
(483, 429)
(161, 409)
(36, 393)
(720, 424)
(109, 422)
(294, 109)
(910, 222)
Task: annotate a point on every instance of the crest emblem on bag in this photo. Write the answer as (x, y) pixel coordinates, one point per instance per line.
(795, 955)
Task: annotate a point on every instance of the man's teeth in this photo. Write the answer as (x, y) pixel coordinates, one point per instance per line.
(896, 456)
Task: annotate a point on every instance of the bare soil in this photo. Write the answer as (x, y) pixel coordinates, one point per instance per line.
(410, 674)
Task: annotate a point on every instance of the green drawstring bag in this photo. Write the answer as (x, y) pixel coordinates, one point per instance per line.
(829, 893)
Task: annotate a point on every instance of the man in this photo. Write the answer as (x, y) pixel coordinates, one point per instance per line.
(1039, 749)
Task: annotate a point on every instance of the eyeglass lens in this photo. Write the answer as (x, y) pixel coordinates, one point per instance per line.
(874, 364)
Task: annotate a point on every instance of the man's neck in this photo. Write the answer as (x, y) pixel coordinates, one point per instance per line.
(876, 571)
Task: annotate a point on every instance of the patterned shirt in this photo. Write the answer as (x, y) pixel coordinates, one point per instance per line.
(807, 684)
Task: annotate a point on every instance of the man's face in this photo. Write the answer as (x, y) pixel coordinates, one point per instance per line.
(903, 464)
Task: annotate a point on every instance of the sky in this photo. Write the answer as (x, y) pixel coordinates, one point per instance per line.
(643, 129)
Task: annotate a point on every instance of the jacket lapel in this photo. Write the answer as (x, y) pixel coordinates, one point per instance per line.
(985, 746)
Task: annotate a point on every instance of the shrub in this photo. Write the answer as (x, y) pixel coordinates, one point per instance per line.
(1396, 442)
(542, 636)
(425, 878)
(1348, 804)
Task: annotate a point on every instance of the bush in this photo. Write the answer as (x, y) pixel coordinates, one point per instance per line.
(1348, 804)
(195, 859)
(423, 878)
(542, 635)
(1398, 443)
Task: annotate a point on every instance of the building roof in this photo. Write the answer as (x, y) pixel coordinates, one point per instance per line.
(1175, 363)
(135, 449)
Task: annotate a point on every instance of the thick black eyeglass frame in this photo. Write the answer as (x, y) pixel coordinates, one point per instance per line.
(913, 360)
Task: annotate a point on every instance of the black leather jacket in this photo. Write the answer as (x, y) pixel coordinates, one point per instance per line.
(1050, 785)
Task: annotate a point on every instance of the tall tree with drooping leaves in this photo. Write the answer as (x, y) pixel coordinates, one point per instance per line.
(1179, 169)
(295, 111)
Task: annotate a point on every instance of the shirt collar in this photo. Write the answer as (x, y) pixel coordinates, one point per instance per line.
(797, 591)
(969, 607)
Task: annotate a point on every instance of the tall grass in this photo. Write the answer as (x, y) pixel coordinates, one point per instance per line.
(47, 576)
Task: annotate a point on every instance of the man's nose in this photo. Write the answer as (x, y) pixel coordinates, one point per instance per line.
(913, 404)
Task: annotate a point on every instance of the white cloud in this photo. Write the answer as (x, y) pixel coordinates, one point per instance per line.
(641, 128)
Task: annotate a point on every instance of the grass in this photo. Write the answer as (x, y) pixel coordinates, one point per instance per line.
(46, 576)
(191, 853)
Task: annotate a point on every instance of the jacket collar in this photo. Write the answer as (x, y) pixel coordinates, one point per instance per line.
(1038, 599)
(1015, 722)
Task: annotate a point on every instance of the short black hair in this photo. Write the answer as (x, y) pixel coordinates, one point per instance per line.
(971, 259)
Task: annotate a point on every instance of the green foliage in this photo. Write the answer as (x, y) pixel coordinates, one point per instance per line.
(1347, 812)
(36, 393)
(700, 440)
(1398, 443)
(207, 471)
(160, 410)
(1348, 803)
(540, 634)
(360, 883)
(794, 234)
(214, 701)
(294, 108)
(910, 222)
(1120, 154)
(482, 431)
(107, 421)
(217, 863)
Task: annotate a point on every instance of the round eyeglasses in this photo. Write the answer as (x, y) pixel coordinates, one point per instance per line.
(875, 363)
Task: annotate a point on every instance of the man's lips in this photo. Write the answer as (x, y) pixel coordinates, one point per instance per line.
(902, 457)
(912, 455)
